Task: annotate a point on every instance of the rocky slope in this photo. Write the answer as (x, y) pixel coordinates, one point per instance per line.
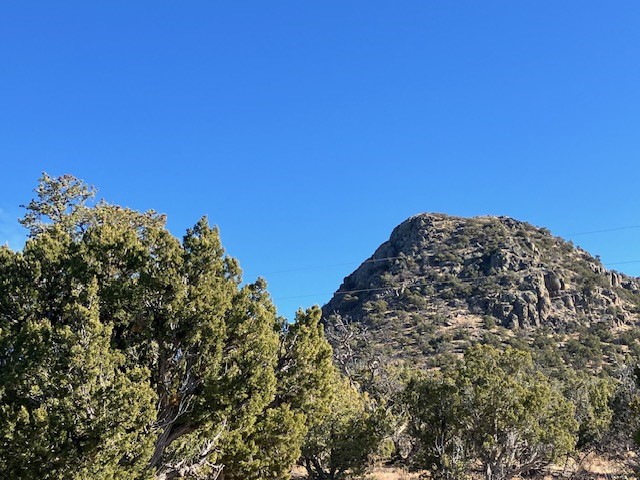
(441, 281)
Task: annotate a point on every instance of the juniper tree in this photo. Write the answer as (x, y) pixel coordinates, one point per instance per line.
(304, 389)
(436, 421)
(70, 406)
(127, 353)
(344, 441)
(495, 408)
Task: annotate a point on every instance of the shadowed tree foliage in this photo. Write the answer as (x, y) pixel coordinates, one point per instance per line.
(436, 421)
(591, 397)
(341, 444)
(495, 408)
(304, 373)
(71, 407)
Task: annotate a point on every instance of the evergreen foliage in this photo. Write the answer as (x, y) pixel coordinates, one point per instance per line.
(127, 354)
(342, 444)
(494, 408)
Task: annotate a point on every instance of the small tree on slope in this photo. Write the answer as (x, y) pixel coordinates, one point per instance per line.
(492, 407)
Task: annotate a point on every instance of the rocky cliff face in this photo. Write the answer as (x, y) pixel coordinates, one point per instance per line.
(439, 273)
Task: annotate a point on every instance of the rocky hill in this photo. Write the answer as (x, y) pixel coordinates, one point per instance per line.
(440, 282)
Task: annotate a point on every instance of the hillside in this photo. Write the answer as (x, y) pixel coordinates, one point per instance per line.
(441, 282)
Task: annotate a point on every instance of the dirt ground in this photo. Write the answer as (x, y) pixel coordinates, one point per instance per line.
(299, 473)
(592, 466)
(392, 474)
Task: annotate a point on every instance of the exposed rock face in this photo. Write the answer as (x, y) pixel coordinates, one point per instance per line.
(438, 268)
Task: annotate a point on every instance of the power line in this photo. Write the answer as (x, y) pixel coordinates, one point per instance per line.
(434, 283)
(622, 263)
(305, 296)
(600, 231)
(377, 289)
(391, 287)
(317, 267)
(396, 258)
(430, 283)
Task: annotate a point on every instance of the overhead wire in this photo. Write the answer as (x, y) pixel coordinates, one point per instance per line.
(600, 231)
(393, 287)
(432, 283)
(317, 267)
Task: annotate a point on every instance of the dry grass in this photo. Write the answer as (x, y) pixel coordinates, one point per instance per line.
(392, 474)
(592, 466)
(600, 467)
(300, 473)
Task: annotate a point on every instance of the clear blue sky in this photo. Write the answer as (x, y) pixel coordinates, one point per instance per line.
(308, 130)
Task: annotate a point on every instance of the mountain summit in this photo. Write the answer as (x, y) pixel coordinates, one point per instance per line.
(440, 275)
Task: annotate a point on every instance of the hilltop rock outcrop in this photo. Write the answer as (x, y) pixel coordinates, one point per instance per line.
(438, 272)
